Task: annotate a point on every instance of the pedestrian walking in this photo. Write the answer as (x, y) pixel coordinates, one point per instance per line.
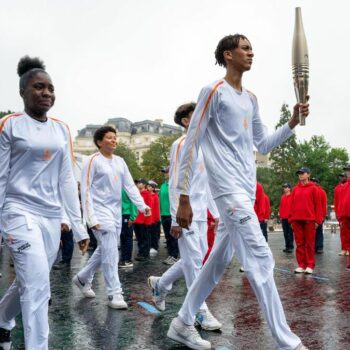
(36, 182)
(226, 124)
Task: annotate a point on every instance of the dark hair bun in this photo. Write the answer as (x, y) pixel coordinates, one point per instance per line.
(27, 63)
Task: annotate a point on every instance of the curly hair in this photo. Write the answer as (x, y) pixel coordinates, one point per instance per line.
(27, 67)
(229, 42)
(183, 111)
(101, 132)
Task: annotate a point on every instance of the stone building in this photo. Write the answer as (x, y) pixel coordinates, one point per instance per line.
(138, 136)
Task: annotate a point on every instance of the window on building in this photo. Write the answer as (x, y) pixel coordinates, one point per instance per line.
(88, 133)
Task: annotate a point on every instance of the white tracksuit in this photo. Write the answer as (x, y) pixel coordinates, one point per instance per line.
(36, 179)
(226, 124)
(193, 244)
(101, 196)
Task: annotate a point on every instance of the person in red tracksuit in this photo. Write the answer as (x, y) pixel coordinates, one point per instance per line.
(344, 213)
(155, 225)
(284, 211)
(319, 230)
(143, 223)
(337, 201)
(259, 207)
(305, 215)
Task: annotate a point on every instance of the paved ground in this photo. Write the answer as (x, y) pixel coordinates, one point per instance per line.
(317, 307)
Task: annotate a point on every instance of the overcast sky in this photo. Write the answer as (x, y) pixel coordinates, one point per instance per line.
(140, 59)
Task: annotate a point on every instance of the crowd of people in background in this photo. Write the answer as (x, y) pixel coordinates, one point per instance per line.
(303, 211)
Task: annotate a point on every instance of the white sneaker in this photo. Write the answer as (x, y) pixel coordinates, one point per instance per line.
(309, 271)
(158, 295)
(153, 252)
(6, 346)
(299, 270)
(85, 288)
(170, 260)
(301, 347)
(207, 321)
(117, 301)
(241, 269)
(187, 335)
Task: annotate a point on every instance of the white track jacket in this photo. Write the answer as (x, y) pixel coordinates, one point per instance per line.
(201, 198)
(101, 190)
(36, 173)
(226, 125)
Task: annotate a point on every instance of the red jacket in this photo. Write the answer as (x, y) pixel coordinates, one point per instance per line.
(344, 206)
(323, 197)
(259, 205)
(338, 192)
(141, 218)
(306, 204)
(267, 212)
(155, 207)
(285, 206)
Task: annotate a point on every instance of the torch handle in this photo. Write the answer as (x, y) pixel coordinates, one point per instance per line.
(301, 118)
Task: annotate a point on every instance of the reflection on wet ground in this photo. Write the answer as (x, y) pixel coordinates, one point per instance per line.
(317, 307)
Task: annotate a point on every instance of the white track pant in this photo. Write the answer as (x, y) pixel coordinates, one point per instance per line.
(105, 256)
(33, 242)
(239, 232)
(192, 252)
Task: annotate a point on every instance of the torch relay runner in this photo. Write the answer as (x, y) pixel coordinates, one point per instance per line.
(36, 181)
(226, 124)
(103, 177)
(193, 244)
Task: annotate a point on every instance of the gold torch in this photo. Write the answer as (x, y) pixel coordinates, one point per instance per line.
(300, 62)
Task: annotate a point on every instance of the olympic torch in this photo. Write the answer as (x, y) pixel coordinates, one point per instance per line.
(300, 62)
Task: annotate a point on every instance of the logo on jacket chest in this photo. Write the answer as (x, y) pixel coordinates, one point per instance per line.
(245, 123)
(47, 155)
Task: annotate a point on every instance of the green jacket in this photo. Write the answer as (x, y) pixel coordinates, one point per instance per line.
(164, 199)
(128, 207)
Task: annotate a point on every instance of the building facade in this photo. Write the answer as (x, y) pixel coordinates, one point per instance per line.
(138, 136)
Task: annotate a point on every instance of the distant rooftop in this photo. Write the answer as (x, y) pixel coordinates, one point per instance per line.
(125, 125)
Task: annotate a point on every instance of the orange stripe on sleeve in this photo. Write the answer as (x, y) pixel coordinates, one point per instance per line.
(6, 118)
(206, 105)
(87, 197)
(70, 137)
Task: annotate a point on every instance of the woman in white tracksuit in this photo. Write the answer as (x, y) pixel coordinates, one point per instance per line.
(103, 177)
(36, 180)
(193, 244)
(226, 125)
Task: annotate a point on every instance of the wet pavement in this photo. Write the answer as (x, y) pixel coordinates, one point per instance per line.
(317, 307)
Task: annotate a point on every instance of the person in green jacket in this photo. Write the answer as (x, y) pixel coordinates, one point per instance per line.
(129, 213)
(171, 242)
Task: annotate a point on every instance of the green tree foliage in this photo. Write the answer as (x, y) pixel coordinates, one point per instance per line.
(129, 156)
(157, 157)
(285, 157)
(2, 114)
(324, 161)
(267, 177)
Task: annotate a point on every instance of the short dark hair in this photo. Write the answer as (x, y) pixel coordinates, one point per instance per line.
(27, 67)
(183, 111)
(229, 42)
(101, 132)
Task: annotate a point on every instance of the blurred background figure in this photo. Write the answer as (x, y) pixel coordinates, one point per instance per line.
(171, 242)
(284, 212)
